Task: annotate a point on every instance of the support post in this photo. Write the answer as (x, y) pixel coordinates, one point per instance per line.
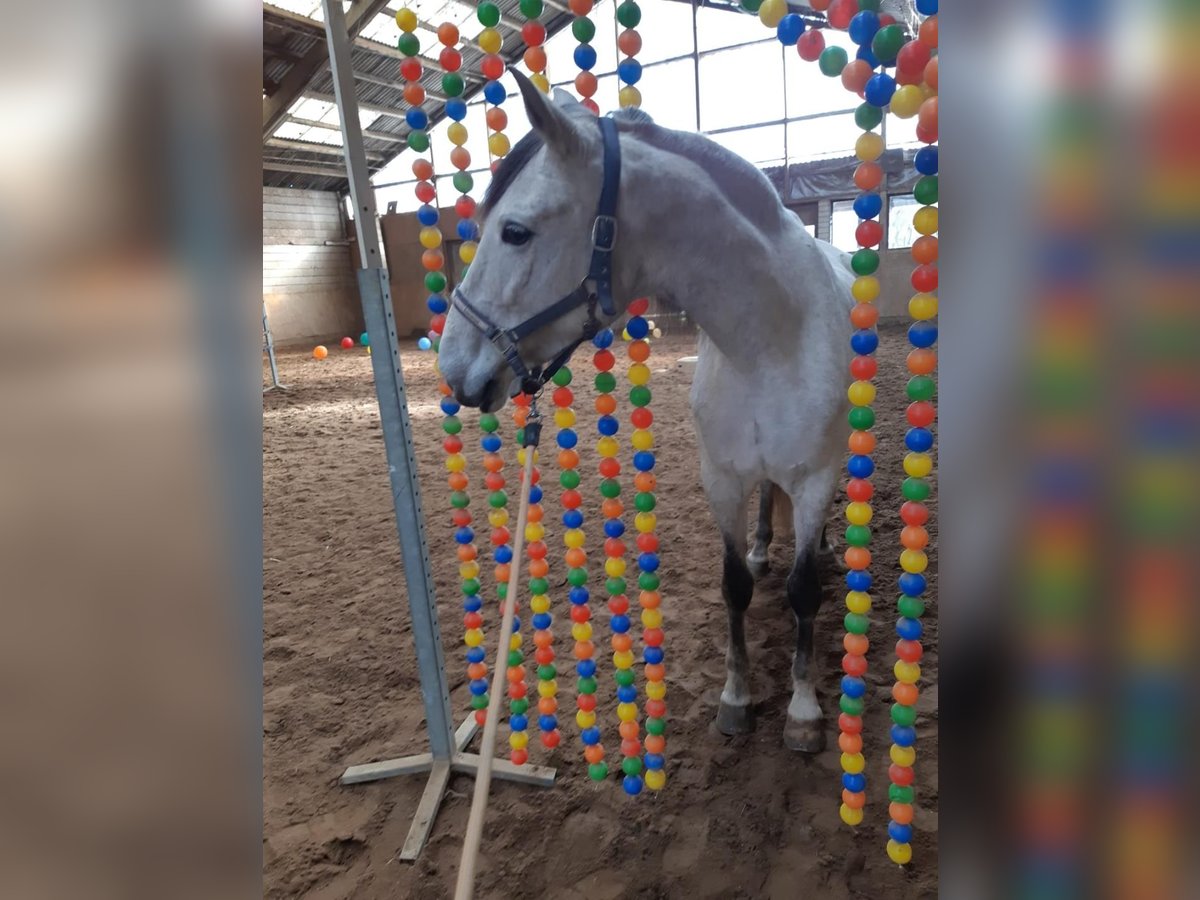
(269, 348)
(446, 744)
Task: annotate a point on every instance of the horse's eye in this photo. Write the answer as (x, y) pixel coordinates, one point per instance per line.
(515, 234)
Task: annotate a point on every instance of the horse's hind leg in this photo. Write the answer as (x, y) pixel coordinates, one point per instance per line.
(727, 497)
(805, 730)
(758, 560)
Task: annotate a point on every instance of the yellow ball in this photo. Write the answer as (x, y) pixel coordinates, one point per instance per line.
(639, 373)
(858, 602)
(473, 637)
(865, 288)
(907, 100)
(406, 20)
(627, 712)
(468, 570)
(608, 446)
(541, 81)
(900, 854)
(868, 147)
(656, 690)
(564, 418)
(467, 251)
(861, 393)
(914, 561)
(518, 740)
(582, 631)
(642, 439)
(625, 335)
(859, 513)
(614, 567)
(853, 763)
(923, 306)
(906, 672)
(574, 538)
(498, 144)
(851, 816)
(903, 756)
(651, 618)
(925, 220)
(457, 133)
(430, 237)
(456, 462)
(515, 642)
(539, 603)
(498, 518)
(645, 522)
(655, 779)
(490, 40)
(534, 531)
(928, 91)
(629, 96)
(547, 688)
(918, 465)
(624, 660)
(585, 719)
(771, 12)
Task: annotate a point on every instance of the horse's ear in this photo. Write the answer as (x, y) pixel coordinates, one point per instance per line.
(557, 126)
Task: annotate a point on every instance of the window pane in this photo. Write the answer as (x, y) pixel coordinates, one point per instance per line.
(901, 209)
(669, 94)
(742, 86)
(902, 132)
(842, 225)
(823, 138)
(761, 146)
(808, 91)
(721, 28)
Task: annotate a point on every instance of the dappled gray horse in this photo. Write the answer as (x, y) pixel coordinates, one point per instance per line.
(702, 229)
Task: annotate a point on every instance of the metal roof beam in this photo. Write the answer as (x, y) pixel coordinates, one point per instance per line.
(276, 165)
(367, 133)
(369, 107)
(316, 147)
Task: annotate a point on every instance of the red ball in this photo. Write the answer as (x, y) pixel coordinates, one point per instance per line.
(639, 306)
(614, 547)
(438, 323)
(537, 550)
(901, 775)
(347, 343)
(848, 724)
(920, 414)
(580, 613)
(914, 513)
(841, 12)
(854, 665)
(563, 397)
(925, 278)
(492, 67)
(450, 59)
(864, 367)
(642, 417)
(618, 605)
(869, 233)
(604, 360)
(410, 69)
(461, 518)
(533, 34)
(652, 637)
(912, 58)
(647, 543)
(453, 444)
(590, 105)
(909, 651)
(519, 757)
(860, 490)
(464, 207)
(494, 481)
(810, 45)
(550, 739)
(609, 467)
(926, 135)
(425, 192)
(571, 499)
(886, 19)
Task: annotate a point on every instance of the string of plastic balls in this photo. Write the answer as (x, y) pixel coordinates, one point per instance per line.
(533, 33)
(432, 259)
(629, 42)
(492, 67)
(917, 75)
(645, 522)
(584, 29)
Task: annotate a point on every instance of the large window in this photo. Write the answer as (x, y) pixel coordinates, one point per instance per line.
(901, 208)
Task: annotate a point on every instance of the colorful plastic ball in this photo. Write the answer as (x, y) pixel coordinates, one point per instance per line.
(492, 67)
(629, 71)
(850, 816)
(585, 57)
(424, 343)
(928, 115)
(926, 190)
(414, 94)
(409, 44)
(422, 169)
(751, 5)
(868, 147)
(868, 176)
(629, 42)
(868, 206)
(907, 101)
(900, 854)
(629, 14)
(347, 343)
(488, 14)
(629, 96)
(320, 351)
(632, 784)
(925, 220)
(811, 45)
(856, 75)
(418, 141)
(832, 61)
(927, 7)
(533, 33)
(489, 40)
(912, 59)
(867, 56)
(868, 117)
(450, 59)
(928, 32)
(771, 12)
(452, 84)
(863, 27)
(841, 12)
(879, 89)
(931, 73)
(499, 144)
(427, 215)
(463, 182)
(416, 118)
(448, 34)
(789, 29)
(583, 29)
(886, 43)
(406, 20)
(868, 233)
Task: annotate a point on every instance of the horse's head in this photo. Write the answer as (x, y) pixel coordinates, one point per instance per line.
(536, 246)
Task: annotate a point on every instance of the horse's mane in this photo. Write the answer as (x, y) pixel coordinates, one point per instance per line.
(744, 185)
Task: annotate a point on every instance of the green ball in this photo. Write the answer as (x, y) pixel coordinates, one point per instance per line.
(606, 382)
(856, 623)
(912, 607)
(538, 585)
(502, 590)
(624, 677)
(418, 140)
(515, 657)
(904, 715)
(531, 9)
(520, 437)
(629, 14)
(460, 499)
(586, 685)
(887, 43)
(645, 502)
(577, 577)
(751, 5)
(864, 261)
(832, 60)
(858, 535)
(867, 116)
(614, 587)
(655, 726)
(409, 44)
(610, 488)
(861, 418)
(489, 422)
(488, 14)
(547, 672)
(569, 479)
(649, 581)
(916, 489)
(497, 499)
(479, 701)
(584, 29)
(631, 765)
(463, 182)
(435, 282)
(851, 706)
(471, 587)
(926, 190)
(518, 707)
(640, 395)
(872, 5)
(598, 771)
(452, 84)
(920, 387)
(562, 377)
(452, 424)
(898, 794)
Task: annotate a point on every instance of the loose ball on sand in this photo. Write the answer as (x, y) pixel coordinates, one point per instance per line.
(347, 343)
(320, 351)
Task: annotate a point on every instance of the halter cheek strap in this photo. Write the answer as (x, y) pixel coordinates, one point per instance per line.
(594, 289)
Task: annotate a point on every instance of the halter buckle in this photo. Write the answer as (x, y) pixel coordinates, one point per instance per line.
(604, 233)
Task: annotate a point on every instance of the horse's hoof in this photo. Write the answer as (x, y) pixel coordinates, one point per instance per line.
(804, 737)
(758, 567)
(733, 720)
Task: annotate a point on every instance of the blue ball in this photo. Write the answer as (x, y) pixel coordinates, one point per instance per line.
(464, 535)
(456, 108)
(476, 654)
(479, 687)
(516, 624)
(585, 57)
(927, 7)
(901, 834)
(567, 438)
(472, 603)
(468, 230)
(922, 334)
(494, 93)
(450, 406)
(542, 621)
(585, 668)
(632, 785)
(590, 736)
(864, 342)
(926, 160)
(627, 693)
(427, 215)
(436, 303)
(643, 460)
(879, 89)
(619, 624)
(918, 440)
(614, 528)
(863, 27)
(854, 783)
(579, 595)
(911, 584)
(860, 466)
(364, 339)
(853, 687)
(503, 554)
(547, 723)
(491, 443)
(866, 54)
(603, 338)
(858, 580)
(637, 327)
(868, 206)
(424, 343)
(789, 29)
(535, 494)
(909, 629)
(416, 118)
(648, 562)
(653, 655)
(518, 722)
(653, 760)
(608, 425)
(572, 518)
(904, 735)
(629, 71)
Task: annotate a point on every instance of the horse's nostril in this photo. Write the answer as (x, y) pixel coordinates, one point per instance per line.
(466, 398)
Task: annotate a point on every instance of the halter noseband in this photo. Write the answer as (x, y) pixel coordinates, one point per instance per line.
(594, 289)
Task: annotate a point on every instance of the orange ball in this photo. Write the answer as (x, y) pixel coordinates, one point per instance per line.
(576, 558)
(862, 442)
(460, 158)
(655, 743)
(856, 75)
(493, 462)
(925, 249)
(467, 552)
(639, 351)
(422, 169)
(931, 73)
(901, 813)
(850, 743)
(568, 459)
(458, 481)
(542, 638)
(649, 599)
(864, 315)
(820, 5)
(414, 94)
(868, 176)
(858, 557)
(536, 512)
(914, 537)
(320, 351)
(854, 801)
(535, 59)
(857, 644)
(593, 753)
(584, 649)
(475, 671)
(497, 119)
(581, 7)
(922, 361)
(606, 404)
(631, 748)
(905, 694)
(629, 42)
(448, 34)
(655, 671)
(928, 33)
(622, 642)
(928, 115)
(629, 731)
(538, 568)
(611, 509)
(547, 706)
(645, 482)
(432, 260)
(503, 572)
(585, 84)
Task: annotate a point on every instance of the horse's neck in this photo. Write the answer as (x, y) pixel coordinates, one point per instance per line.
(709, 255)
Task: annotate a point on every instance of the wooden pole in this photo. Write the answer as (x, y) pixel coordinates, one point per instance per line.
(469, 862)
